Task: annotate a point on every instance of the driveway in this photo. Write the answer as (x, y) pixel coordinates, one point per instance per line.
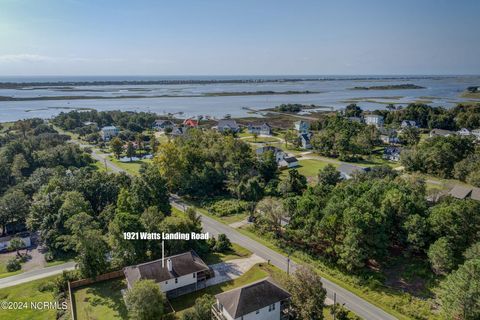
(232, 269)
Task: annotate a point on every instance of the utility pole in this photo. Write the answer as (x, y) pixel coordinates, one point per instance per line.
(288, 264)
(334, 305)
(105, 162)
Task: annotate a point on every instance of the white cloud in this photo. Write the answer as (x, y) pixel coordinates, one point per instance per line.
(23, 57)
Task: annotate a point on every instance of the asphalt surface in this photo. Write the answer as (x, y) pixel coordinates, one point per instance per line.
(354, 303)
(35, 274)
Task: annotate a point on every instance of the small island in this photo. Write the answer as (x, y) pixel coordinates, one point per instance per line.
(390, 87)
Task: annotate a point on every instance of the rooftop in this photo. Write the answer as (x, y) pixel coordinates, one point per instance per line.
(241, 301)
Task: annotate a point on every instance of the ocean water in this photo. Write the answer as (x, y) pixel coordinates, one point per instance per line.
(187, 100)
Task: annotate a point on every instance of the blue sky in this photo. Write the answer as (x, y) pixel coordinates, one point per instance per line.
(226, 37)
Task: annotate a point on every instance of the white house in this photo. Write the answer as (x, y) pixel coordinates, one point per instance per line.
(261, 129)
(392, 153)
(464, 132)
(288, 162)
(176, 275)
(161, 125)
(5, 241)
(302, 126)
(476, 133)
(109, 132)
(374, 119)
(262, 300)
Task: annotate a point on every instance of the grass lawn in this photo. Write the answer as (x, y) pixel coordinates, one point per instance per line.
(234, 218)
(132, 168)
(257, 272)
(27, 292)
(310, 167)
(3, 266)
(237, 252)
(262, 140)
(102, 301)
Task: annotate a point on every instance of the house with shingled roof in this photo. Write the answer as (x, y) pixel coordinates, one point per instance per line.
(261, 300)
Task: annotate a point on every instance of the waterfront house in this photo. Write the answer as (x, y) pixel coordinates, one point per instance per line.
(302, 126)
(178, 131)
(176, 275)
(261, 129)
(162, 125)
(261, 300)
(227, 125)
(374, 119)
(109, 132)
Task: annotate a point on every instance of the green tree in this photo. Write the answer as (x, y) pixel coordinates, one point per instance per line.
(293, 184)
(202, 310)
(145, 301)
(410, 136)
(441, 256)
(130, 150)
(329, 176)
(14, 206)
(308, 301)
(92, 253)
(270, 212)
(222, 244)
(16, 244)
(460, 292)
(117, 147)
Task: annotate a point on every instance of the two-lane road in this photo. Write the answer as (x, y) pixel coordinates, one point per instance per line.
(354, 303)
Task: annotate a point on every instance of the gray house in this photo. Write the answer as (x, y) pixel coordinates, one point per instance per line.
(347, 171)
(161, 125)
(226, 125)
(262, 129)
(302, 126)
(305, 141)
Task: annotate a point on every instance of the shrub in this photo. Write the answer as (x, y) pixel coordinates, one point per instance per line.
(228, 207)
(223, 243)
(13, 265)
(45, 286)
(49, 256)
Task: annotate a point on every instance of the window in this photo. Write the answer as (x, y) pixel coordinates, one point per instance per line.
(194, 274)
(176, 280)
(271, 307)
(166, 282)
(257, 312)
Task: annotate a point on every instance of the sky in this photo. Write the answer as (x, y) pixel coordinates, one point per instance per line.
(242, 37)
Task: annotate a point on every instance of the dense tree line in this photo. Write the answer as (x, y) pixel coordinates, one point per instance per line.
(202, 164)
(342, 138)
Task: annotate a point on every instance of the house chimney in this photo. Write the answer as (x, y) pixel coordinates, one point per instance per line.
(169, 265)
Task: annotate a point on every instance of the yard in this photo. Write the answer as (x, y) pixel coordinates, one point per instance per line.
(132, 168)
(310, 167)
(258, 272)
(4, 257)
(102, 301)
(237, 252)
(28, 292)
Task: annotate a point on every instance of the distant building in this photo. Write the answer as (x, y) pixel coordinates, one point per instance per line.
(288, 162)
(347, 171)
(374, 119)
(178, 130)
(261, 300)
(261, 129)
(392, 153)
(305, 141)
(355, 119)
(109, 132)
(302, 126)
(464, 132)
(388, 136)
(278, 153)
(409, 124)
(161, 125)
(227, 125)
(177, 275)
(192, 123)
(24, 236)
(441, 133)
(476, 133)
(465, 192)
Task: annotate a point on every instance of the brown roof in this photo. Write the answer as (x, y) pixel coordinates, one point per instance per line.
(460, 192)
(241, 301)
(182, 264)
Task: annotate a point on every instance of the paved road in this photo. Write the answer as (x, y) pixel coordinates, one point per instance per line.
(35, 274)
(359, 306)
